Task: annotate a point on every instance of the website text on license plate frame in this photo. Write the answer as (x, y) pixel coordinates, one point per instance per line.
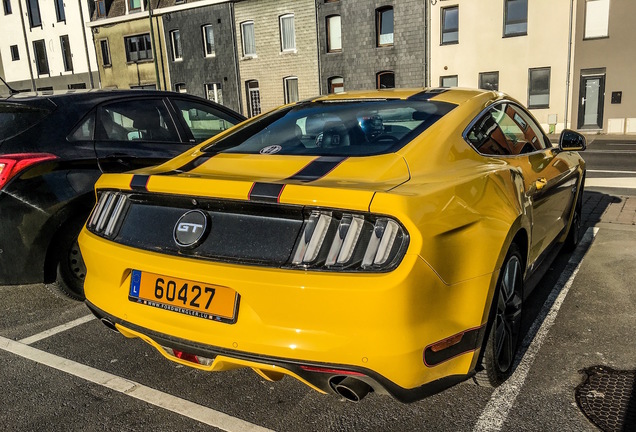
(198, 299)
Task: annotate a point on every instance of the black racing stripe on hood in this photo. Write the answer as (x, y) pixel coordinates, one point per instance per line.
(267, 192)
(318, 168)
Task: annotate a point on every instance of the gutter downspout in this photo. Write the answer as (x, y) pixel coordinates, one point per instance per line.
(317, 5)
(88, 58)
(236, 61)
(427, 44)
(26, 43)
(154, 48)
(569, 68)
(163, 64)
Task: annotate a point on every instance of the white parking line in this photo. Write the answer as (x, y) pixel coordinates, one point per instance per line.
(138, 391)
(617, 182)
(503, 398)
(56, 330)
(611, 171)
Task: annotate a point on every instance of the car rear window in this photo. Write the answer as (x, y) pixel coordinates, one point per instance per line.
(344, 128)
(16, 118)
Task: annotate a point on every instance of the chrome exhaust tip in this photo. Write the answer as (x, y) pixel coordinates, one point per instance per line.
(109, 324)
(351, 389)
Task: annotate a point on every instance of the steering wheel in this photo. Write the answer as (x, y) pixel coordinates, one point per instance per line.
(386, 137)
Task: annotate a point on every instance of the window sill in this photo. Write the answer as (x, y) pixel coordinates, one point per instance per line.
(210, 56)
(595, 38)
(512, 35)
(178, 60)
(140, 61)
(249, 57)
(449, 43)
(335, 52)
(539, 107)
(287, 52)
(385, 46)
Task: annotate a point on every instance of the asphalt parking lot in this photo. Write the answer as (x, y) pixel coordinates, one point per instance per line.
(62, 370)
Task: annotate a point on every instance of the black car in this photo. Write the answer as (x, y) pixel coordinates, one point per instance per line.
(52, 150)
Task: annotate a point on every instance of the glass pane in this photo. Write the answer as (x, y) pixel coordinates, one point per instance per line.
(249, 47)
(592, 90)
(34, 13)
(84, 131)
(448, 81)
(209, 40)
(386, 80)
(335, 33)
(287, 33)
(516, 17)
(489, 81)
(137, 120)
(596, 18)
(450, 25)
(291, 85)
(386, 27)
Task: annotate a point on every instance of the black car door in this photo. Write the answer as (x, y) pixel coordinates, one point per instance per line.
(134, 133)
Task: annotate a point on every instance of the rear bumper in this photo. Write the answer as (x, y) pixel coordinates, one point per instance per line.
(379, 325)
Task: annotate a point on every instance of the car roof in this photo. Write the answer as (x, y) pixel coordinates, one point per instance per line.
(454, 95)
(84, 95)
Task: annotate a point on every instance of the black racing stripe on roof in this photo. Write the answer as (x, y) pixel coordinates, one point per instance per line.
(194, 163)
(318, 168)
(139, 182)
(427, 94)
(266, 192)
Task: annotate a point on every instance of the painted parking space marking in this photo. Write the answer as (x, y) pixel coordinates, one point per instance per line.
(610, 171)
(133, 389)
(503, 398)
(622, 182)
(55, 330)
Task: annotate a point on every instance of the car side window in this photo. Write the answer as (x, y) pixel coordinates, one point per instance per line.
(532, 131)
(503, 131)
(203, 121)
(133, 120)
(85, 130)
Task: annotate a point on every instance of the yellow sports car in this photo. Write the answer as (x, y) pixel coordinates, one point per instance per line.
(376, 241)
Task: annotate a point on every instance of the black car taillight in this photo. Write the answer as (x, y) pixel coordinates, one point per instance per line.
(332, 240)
(12, 164)
(107, 215)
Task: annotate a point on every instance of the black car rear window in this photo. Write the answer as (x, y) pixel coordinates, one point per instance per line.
(359, 127)
(16, 118)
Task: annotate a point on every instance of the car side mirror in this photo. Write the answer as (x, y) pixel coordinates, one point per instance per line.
(571, 141)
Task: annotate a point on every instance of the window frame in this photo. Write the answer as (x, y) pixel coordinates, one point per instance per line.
(280, 29)
(378, 78)
(147, 45)
(34, 5)
(6, 6)
(248, 88)
(129, 4)
(530, 93)
(328, 31)
(244, 25)
(286, 82)
(204, 33)
(443, 30)
(585, 20)
(60, 13)
(483, 74)
(217, 88)
(37, 59)
(101, 48)
(175, 45)
(333, 86)
(67, 55)
(379, 13)
(15, 52)
(97, 8)
(506, 23)
(180, 88)
(442, 77)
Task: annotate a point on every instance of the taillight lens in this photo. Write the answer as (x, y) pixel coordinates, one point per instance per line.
(333, 240)
(12, 164)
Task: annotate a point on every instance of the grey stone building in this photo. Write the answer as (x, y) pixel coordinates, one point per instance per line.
(201, 51)
(368, 44)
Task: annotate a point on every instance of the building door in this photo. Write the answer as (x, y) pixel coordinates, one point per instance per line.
(591, 99)
(253, 98)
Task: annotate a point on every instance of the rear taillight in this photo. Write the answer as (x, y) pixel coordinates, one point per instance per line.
(108, 214)
(12, 164)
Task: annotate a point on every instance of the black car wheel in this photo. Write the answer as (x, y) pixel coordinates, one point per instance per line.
(71, 269)
(574, 233)
(502, 343)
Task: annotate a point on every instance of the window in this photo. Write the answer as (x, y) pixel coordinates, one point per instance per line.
(180, 88)
(291, 89)
(100, 6)
(448, 81)
(384, 26)
(385, 79)
(33, 9)
(85, 131)
(15, 54)
(175, 38)
(77, 86)
(203, 120)
(137, 119)
(103, 44)
(41, 62)
(336, 84)
(7, 7)
(144, 87)
(596, 19)
(334, 34)
(214, 92)
(208, 40)
(134, 5)
(59, 10)
(249, 43)
(67, 57)
(138, 48)
(450, 25)
(489, 81)
(287, 33)
(506, 129)
(253, 98)
(539, 88)
(516, 18)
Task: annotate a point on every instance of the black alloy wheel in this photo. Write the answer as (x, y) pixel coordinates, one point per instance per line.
(503, 339)
(71, 270)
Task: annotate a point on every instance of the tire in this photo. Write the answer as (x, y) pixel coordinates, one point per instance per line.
(503, 339)
(574, 231)
(71, 269)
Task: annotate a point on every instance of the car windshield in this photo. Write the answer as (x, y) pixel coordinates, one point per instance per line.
(343, 128)
(16, 118)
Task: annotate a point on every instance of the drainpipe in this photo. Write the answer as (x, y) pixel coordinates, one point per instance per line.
(567, 81)
(163, 64)
(236, 61)
(26, 43)
(88, 58)
(427, 44)
(318, 46)
(154, 48)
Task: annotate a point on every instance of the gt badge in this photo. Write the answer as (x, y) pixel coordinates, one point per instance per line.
(191, 228)
(271, 149)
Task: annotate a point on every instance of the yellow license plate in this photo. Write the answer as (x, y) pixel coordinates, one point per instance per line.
(197, 299)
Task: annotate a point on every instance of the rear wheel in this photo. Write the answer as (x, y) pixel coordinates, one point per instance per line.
(502, 343)
(71, 269)
(574, 233)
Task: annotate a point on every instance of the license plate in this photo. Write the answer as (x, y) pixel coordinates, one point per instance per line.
(197, 299)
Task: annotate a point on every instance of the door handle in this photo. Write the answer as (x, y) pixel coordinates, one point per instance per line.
(540, 183)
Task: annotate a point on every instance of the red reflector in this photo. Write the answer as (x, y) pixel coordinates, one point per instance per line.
(185, 356)
(331, 371)
(12, 164)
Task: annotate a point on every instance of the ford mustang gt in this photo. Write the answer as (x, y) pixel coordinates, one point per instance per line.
(376, 241)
